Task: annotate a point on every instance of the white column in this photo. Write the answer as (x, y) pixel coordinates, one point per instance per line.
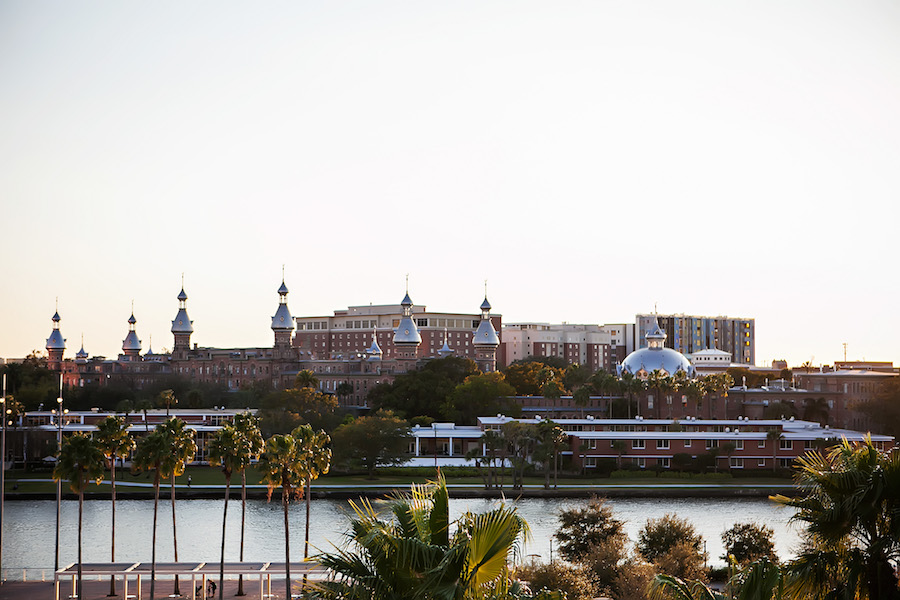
(450, 447)
(417, 445)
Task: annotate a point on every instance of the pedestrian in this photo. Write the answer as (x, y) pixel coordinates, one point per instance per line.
(212, 589)
(189, 481)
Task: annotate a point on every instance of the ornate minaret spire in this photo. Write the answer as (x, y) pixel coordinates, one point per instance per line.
(131, 345)
(406, 336)
(374, 351)
(445, 350)
(56, 345)
(81, 355)
(182, 327)
(282, 322)
(485, 339)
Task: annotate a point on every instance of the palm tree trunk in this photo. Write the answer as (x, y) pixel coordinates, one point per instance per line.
(287, 544)
(240, 591)
(222, 555)
(555, 468)
(112, 546)
(153, 551)
(80, 514)
(176, 591)
(306, 536)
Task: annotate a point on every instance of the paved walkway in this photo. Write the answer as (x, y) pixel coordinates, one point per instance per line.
(98, 590)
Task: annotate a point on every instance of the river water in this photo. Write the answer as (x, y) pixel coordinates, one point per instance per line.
(29, 529)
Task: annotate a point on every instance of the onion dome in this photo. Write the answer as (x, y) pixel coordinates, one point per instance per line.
(282, 321)
(407, 332)
(374, 351)
(486, 335)
(182, 324)
(56, 341)
(445, 350)
(655, 357)
(81, 354)
(131, 343)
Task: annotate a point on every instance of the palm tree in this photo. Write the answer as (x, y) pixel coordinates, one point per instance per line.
(115, 442)
(655, 381)
(582, 397)
(143, 406)
(620, 447)
(815, 410)
(631, 385)
(79, 460)
(306, 379)
(850, 501)
(414, 555)
(774, 435)
(152, 451)
(279, 467)
(182, 451)
(313, 447)
(167, 398)
(226, 449)
(668, 586)
(668, 386)
(247, 425)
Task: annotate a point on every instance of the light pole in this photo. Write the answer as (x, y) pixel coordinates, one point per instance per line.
(59, 416)
(2, 471)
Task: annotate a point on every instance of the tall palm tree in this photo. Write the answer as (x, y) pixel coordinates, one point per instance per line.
(167, 398)
(182, 451)
(279, 468)
(414, 554)
(226, 449)
(655, 382)
(152, 450)
(850, 501)
(314, 449)
(115, 442)
(247, 425)
(79, 461)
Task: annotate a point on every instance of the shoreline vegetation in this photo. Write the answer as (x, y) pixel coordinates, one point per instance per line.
(200, 482)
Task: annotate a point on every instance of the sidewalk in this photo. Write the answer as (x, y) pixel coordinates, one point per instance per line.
(98, 590)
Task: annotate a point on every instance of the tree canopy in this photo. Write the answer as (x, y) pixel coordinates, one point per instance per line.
(372, 441)
(423, 392)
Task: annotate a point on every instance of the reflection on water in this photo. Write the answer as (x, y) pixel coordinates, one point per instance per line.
(29, 529)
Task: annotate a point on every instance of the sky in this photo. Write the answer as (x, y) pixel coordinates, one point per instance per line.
(589, 160)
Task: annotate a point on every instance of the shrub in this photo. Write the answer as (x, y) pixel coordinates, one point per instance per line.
(748, 542)
(558, 576)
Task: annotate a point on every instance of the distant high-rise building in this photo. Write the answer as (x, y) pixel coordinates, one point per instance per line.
(689, 334)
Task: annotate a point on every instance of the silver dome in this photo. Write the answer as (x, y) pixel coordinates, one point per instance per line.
(131, 342)
(486, 335)
(182, 324)
(641, 363)
(56, 341)
(282, 319)
(407, 332)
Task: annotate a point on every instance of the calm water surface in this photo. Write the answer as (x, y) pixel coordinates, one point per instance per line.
(29, 529)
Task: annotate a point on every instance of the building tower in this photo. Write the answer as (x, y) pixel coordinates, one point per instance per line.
(407, 338)
(81, 356)
(374, 351)
(485, 340)
(282, 324)
(182, 328)
(131, 345)
(56, 345)
(445, 350)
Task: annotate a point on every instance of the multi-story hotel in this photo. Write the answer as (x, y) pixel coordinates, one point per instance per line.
(595, 346)
(689, 334)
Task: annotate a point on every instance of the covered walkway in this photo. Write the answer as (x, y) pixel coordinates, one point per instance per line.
(193, 577)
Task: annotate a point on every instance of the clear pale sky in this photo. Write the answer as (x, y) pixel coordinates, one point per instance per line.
(589, 159)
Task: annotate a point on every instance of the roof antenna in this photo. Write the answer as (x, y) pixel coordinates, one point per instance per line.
(407, 283)
(282, 272)
(485, 288)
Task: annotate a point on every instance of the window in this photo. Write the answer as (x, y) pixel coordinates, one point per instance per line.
(761, 462)
(640, 462)
(687, 443)
(590, 461)
(592, 444)
(711, 444)
(662, 444)
(736, 463)
(786, 463)
(665, 463)
(761, 444)
(637, 444)
(739, 444)
(786, 445)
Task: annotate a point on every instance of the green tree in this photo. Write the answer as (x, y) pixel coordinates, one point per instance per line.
(167, 399)
(182, 450)
(575, 376)
(315, 459)
(591, 536)
(748, 542)
(582, 397)
(528, 377)
(551, 439)
(815, 409)
(423, 392)
(306, 379)
(226, 449)
(574, 581)
(247, 426)
(152, 450)
(849, 501)
(114, 441)
(655, 382)
(480, 394)
(668, 537)
(284, 410)
(620, 447)
(79, 461)
(343, 390)
(280, 466)
(372, 441)
(883, 409)
(414, 554)
(521, 440)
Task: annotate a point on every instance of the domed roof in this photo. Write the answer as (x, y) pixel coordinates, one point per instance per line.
(374, 351)
(56, 341)
(641, 363)
(407, 301)
(131, 319)
(283, 289)
(407, 332)
(655, 357)
(485, 305)
(131, 342)
(182, 296)
(485, 335)
(182, 323)
(282, 319)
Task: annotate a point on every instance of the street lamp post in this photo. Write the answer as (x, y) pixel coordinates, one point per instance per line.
(2, 470)
(59, 416)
